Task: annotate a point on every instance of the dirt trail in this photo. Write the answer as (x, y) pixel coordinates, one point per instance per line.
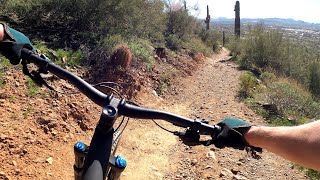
(37, 133)
(210, 94)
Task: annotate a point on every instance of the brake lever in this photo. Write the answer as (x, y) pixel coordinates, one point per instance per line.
(191, 138)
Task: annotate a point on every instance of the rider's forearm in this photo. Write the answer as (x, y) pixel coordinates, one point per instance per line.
(1, 32)
(299, 144)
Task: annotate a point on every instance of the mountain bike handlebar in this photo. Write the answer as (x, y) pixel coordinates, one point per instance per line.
(100, 146)
(102, 100)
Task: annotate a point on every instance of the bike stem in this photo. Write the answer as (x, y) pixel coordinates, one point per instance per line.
(97, 160)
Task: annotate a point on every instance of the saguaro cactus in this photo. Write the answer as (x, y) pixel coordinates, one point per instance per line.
(237, 20)
(207, 21)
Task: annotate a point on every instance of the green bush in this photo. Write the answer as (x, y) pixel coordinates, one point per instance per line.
(314, 77)
(267, 77)
(69, 57)
(195, 45)
(293, 100)
(248, 83)
(268, 49)
(4, 64)
(60, 56)
(173, 42)
(313, 174)
(211, 38)
(111, 41)
(142, 49)
(32, 88)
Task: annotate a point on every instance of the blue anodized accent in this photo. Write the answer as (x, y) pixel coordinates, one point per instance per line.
(121, 162)
(79, 146)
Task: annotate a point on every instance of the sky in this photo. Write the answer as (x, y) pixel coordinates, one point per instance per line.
(306, 10)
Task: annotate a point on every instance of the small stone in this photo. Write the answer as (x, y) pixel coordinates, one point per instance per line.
(54, 133)
(235, 170)
(49, 160)
(211, 155)
(194, 162)
(154, 168)
(239, 177)
(226, 173)
(3, 175)
(178, 176)
(158, 174)
(18, 171)
(14, 163)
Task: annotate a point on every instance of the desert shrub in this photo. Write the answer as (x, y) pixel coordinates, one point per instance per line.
(313, 174)
(110, 42)
(292, 100)
(211, 38)
(261, 48)
(195, 45)
(267, 49)
(314, 82)
(267, 77)
(142, 50)
(248, 83)
(173, 42)
(60, 56)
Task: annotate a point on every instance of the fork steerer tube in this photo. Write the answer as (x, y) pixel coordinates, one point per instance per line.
(97, 160)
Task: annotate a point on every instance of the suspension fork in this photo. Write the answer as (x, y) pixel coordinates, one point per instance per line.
(94, 162)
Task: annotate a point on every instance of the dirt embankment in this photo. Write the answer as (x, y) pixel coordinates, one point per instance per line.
(37, 133)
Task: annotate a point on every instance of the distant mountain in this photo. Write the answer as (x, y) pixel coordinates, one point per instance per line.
(268, 21)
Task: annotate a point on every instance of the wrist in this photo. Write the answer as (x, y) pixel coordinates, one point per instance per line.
(1, 32)
(252, 136)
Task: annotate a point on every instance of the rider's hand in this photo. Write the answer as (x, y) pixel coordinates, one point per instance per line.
(232, 134)
(12, 44)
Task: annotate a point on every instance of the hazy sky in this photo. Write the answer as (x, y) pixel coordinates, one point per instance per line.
(306, 10)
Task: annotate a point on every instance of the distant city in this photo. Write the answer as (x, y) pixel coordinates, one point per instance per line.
(267, 21)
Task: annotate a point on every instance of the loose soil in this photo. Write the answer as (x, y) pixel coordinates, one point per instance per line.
(37, 133)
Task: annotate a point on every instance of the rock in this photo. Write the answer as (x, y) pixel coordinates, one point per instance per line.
(194, 162)
(49, 160)
(14, 163)
(239, 177)
(4, 176)
(235, 170)
(155, 93)
(226, 173)
(158, 174)
(211, 155)
(154, 168)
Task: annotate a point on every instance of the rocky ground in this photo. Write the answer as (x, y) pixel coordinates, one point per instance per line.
(37, 132)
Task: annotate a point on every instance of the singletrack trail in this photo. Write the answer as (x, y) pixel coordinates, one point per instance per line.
(210, 93)
(37, 132)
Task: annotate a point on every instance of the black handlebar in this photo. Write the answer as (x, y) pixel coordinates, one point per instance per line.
(143, 113)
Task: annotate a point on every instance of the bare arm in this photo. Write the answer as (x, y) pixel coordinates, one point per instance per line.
(299, 144)
(1, 32)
